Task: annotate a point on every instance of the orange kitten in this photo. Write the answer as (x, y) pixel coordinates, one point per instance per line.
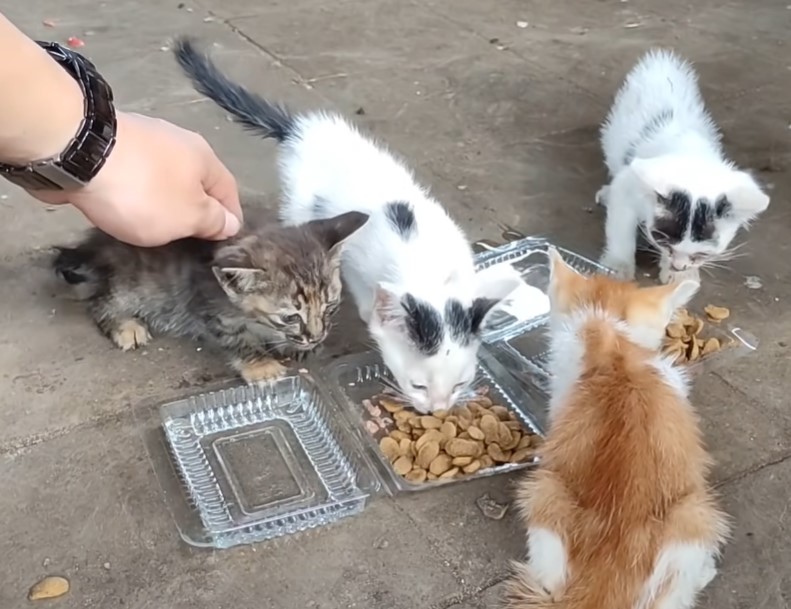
(618, 514)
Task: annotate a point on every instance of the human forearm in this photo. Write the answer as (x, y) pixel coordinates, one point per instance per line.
(41, 105)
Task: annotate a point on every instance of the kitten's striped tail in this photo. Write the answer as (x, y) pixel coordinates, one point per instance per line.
(75, 266)
(248, 109)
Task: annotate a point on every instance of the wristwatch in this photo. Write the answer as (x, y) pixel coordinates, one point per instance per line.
(87, 152)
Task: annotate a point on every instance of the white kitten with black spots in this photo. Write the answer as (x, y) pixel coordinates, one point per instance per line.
(410, 269)
(669, 175)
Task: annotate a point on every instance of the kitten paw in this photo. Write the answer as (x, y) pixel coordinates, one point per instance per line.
(131, 334)
(667, 275)
(602, 194)
(623, 269)
(260, 371)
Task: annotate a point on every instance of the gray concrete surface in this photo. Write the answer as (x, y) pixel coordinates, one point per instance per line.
(501, 122)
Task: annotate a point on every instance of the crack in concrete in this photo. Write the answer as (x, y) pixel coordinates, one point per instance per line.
(782, 457)
(16, 446)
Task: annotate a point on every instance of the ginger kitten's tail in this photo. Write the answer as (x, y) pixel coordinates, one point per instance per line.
(248, 109)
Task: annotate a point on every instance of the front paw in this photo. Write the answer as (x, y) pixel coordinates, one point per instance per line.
(130, 334)
(602, 194)
(623, 269)
(667, 275)
(261, 370)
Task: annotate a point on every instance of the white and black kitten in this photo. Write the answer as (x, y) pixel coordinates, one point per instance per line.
(410, 269)
(669, 174)
(264, 294)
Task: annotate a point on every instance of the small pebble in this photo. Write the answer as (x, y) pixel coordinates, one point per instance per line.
(48, 23)
(491, 508)
(106, 566)
(208, 19)
(381, 543)
(462, 187)
(360, 111)
(521, 24)
(753, 282)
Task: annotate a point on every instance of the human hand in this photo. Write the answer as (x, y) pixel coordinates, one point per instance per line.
(160, 183)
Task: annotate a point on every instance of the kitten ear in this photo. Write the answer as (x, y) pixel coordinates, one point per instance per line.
(332, 232)
(747, 198)
(238, 281)
(387, 309)
(653, 174)
(674, 296)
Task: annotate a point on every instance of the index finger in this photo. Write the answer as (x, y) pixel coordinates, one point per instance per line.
(218, 182)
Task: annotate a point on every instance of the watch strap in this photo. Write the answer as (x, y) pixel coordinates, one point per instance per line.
(85, 155)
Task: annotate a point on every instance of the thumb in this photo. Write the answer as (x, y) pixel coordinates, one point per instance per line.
(217, 222)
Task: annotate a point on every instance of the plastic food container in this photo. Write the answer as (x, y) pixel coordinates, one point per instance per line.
(245, 464)
(521, 346)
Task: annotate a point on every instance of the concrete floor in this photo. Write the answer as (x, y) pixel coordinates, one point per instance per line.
(501, 121)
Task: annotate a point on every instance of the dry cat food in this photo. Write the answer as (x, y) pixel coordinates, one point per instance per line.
(450, 443)
(686, 338)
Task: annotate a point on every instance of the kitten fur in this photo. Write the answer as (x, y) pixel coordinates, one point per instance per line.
(410, 269)
(267, 293)
(618, 514)
(669, 175)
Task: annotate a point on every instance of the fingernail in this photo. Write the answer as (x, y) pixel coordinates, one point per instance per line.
(232, 224)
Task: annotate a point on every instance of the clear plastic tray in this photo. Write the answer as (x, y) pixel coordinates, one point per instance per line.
(246, 464)
(358, 377)
(530, 257)
(521, 347)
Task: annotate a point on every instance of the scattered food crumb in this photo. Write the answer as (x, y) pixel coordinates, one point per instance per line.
(494, 40)
(199, 349)
(50, 208)
(491, 508)
(522, 24)
(3, 197)
(631, 26)
(208, 19)
(45, 562)
(303, 370)
(462, 187)
(587, 210)
(360, 111)
(164, 48)
(74, 42)
(48, 23)
(106, 566)
(381, 543)
(49, 587)
(753, 282)
(501, 47)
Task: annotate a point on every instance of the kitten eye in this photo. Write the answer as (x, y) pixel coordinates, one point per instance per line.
(291, 320)
(658, 236)
(417, 387)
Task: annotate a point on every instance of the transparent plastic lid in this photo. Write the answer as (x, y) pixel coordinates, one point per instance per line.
(529, 306)
(247, 464)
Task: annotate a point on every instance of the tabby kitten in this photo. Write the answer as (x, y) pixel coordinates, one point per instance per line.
(267, 293)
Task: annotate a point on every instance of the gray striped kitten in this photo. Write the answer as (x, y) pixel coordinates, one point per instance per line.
(265, 294)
